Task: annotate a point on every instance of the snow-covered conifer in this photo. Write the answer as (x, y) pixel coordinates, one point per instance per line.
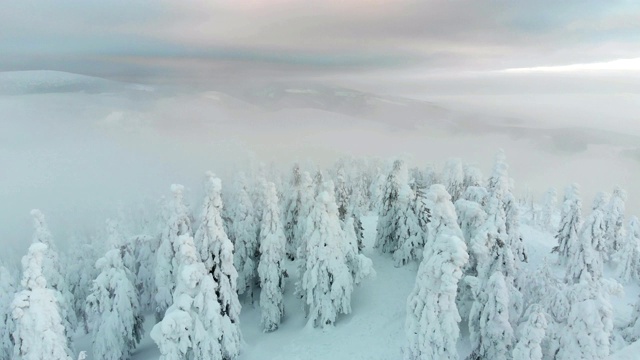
(178, 222)
(39, 331)
(499, 184)
(326, 283)
(453, 178)
(117, 240)
(114, 310)
(491, 332)
(531, 336)
(245, 228)
(192, 327)
(342, 194)
(307, 196)
(615, 221)
(432, 316)
(549, 204)
(216, 252)
(586, 254)
(145, 255)
(292, 208)
(472, 177)
(471, 218)
(476, 194)
(7, 292)
(52, 270)
(81, 272)
(570, 221)
(270, 269)
(512, 227)
(360, 266)
(629, 267)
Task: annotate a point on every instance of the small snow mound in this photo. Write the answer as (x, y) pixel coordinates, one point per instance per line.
(628, 353)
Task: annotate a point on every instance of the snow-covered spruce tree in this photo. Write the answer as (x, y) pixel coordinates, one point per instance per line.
(377, 191)
(629, 267)
(589, 326)
(326, 283)
(614, 221)
(491, 332)
(117, 240)
(570, 221)
(81, 272)
(270, 269)
(245, 228)
(432, 319)
(178, 223)
(292, 209)
(216, 252)
(145, 255)
(499, 184)
(360, 266)
(343, 194)
(586, 254)
(472, 177)
(307, 196)
(549, 204)
(453, 178)
(39, 330)
(512, 227)
(192, 327)
(471, 218)
(7, 292)
(531, 336)
(476, 194)
(398, 227)
(52, 270)
(113, 308)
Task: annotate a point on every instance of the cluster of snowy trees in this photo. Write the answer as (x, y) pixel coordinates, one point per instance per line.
(194, 270)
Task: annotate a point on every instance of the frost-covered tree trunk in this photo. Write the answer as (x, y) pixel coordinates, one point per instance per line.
(192, 327)
(570, 221)
(432, 319)
(7, 292)
(531, 337)
(114, 310)
(270, 269)
(52, 270)
(326, 283)
(550, 202)
(245, 228)
(629, 267)
(491, 332)
(39, 330)
(216, 252)
(178, 223)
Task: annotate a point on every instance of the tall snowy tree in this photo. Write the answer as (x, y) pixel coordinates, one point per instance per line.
(292, 209)
(550, 202)
(39, 330)
(615, 221)
(245, 228)
(307, 195)
(192, 327)
(629, 267)
(453, 178)
(499, 184)
(586, 254)
(531, 337)
(570, 221)
(398, 227)
(512, 227)
(216, 252)
(7, 292)
(178, 222)
(52, 270)
(145, 254)
(114, 309)
(491, 332)
(360, 266)
(270, 269)
(432, 316)
(81, 272)
(326, 283)
(589, 326)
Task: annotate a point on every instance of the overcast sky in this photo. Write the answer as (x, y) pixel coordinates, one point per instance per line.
(138, 39)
